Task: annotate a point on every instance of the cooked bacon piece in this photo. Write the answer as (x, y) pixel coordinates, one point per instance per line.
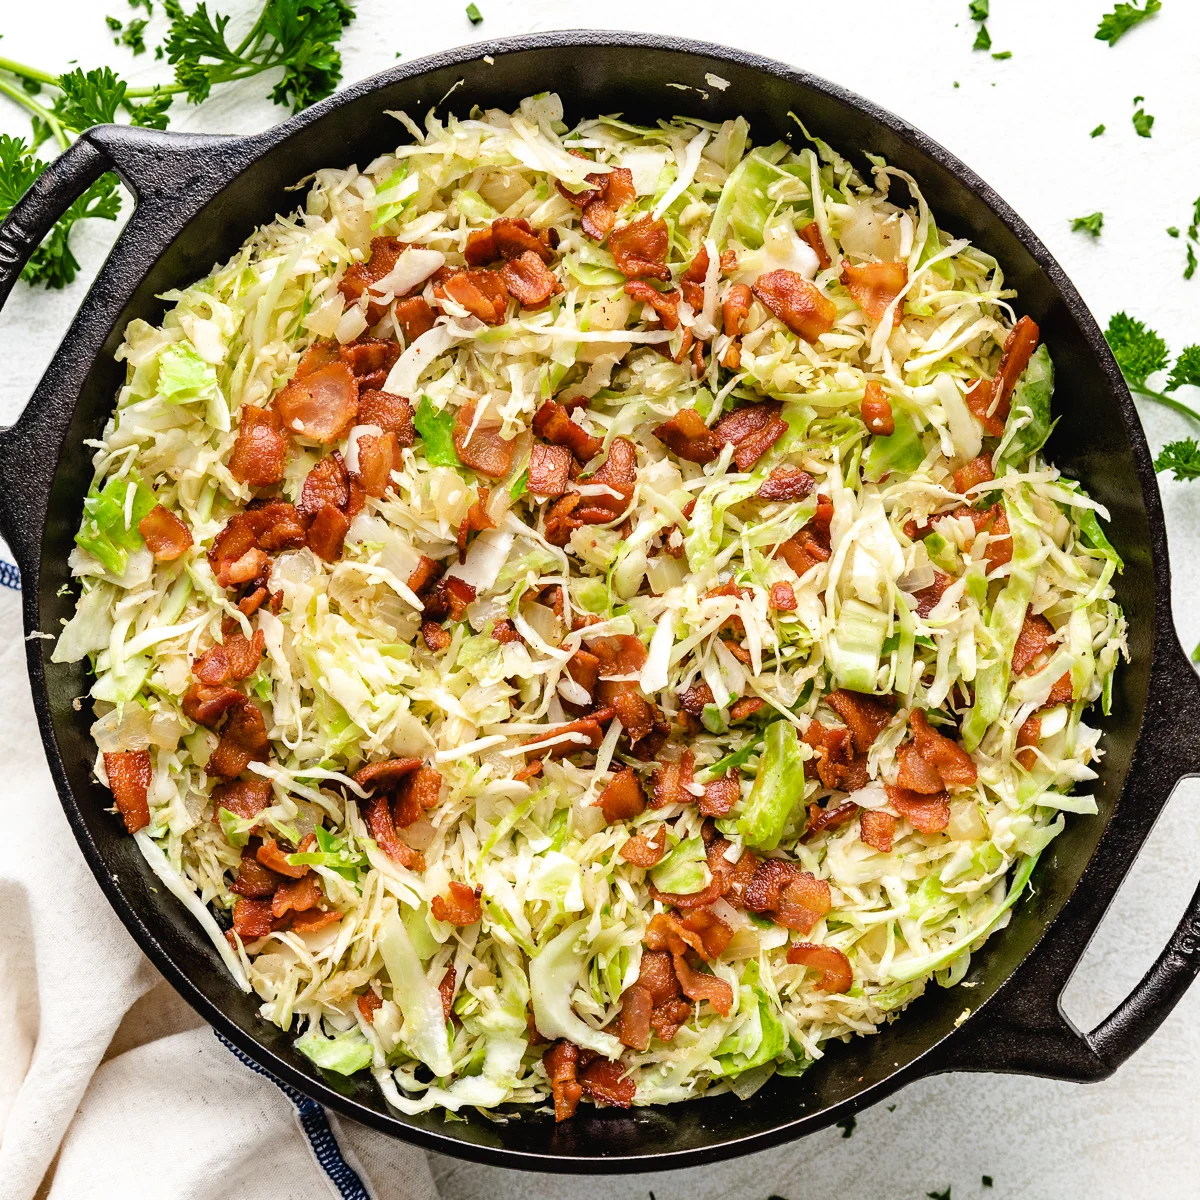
(633, 1025)
(657, 976)
(835, 763)
(670, 782)
(916, 773)
(643, 851)
(665, 304)
(865, 716)
(298, 896)
(318, 355)
(979, 401)
(250, 604)
(696, 699)
(802, 552)
(619, 472)
(370, 359)
(486, 453)
(797, 898)
(604, 1080)
(377, 811)
(251, 565)
(252, 919)
(589, 726)
(691, 283)
(385, 252)
(821, 819)
(243, 741)
(274, 524)
(553, 423)
(129, 777)
(1000, 547)
(481, 293)
(1028, 736)
(977, 471)
(782, 598)
(634, 713)
(877, 410)
(244, 797)
(254, 880)
(836, 972)
(459, 907)
(165, 535)
(207, 705)
(1036, 637)
(584, 667)
(927, 598)
(420, 790)
(1063, 691)
(475, 521)
(926, 814)
(617, 654)
(505, 631)
(608, 194)
(696, 985)
(747, 706)
(313, 919)
(639, 248)
(326, 485)
(713, 933)
(786, 483)
(529, 281)
(1019, 346)
(800, 305)
(720, 795)
(549, 469)
(528, 771)
(727, 879)
(480, 248)
(369, 1003)
(426, 572)
(623, 798)
(811, 233)
(414, 316)
(561, 1061)
(378, 457)
(393, 414)
(327, 534)
(273, 857)
(449, 599)
(752, 429)
(877, 829)
(321, 406)
(235, 658)
(687, 437)
(385, 775)
(436, 638)
(514, 238)
(947, 757)
(734, 309)
(446, 992)
(873, 286)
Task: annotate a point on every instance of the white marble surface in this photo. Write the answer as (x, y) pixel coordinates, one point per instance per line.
(1023, 125)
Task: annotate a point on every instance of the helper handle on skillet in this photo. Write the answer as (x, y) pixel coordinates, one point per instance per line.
(164, 171)
(1023, 1028)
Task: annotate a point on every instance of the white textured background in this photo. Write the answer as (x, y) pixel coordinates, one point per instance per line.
(1023, 124)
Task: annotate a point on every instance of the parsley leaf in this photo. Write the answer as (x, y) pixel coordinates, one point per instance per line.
(1097, 131)
(983, 39)
(1091, 224)
(1190, 269)
(1139, 351)
(1182, 458)
(1143, 122)
(1114, 25)
(474, 15)
(979, 10)
(1173, 231)
(1186, 369)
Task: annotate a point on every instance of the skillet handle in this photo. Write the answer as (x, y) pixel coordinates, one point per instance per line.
(1023, 1029)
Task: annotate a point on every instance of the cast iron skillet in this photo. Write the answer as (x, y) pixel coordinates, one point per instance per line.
(199, 197)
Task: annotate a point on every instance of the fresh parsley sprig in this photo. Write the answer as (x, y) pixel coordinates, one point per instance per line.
(1141, 353)
(1181, 458)
(1116, 24)
(1090, 224)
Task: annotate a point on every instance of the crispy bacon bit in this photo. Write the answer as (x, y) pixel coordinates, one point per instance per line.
(1028, 736)
(639, 248)
(836, 764)
(811, 233)
(446, 991)
(298, 895)
(619, 472)
(480, 248)
(427, 571)
(252, 919)
(235, 658)
(821, 819)
(623, 798)
(752, 429)
(326, 485)
(877, 410)
(393, 414)
(589, 726)
(276, 859)
(800, 305)
(253, 879)
(643, 851)
(129, 775)
(166, 536)
(665, 304)
(927, 598)
(947, 757)
(553, 422)
(877, 829)
(873, 286)
(734, 309)
(475, 521)
(797, 898)
(377, 811)
(1019, 346)
(696, 985)
(926, 814)
(865, 716)
(207, 705)
(249, 605)
(369, 1003)
(378, 457)
(449, 599)
(720, 795)
(423, 788)
(414, 316)
(977, 471)
(1063, 691)
(1000, 547)
(979, 401)
(782, 597)
(385, 252)
(244, 798)
(696, 699)
(385, 775)
(313, 919)
(691, 284)
(327, 534)
(786, 483)
(504, 632)
(687, 437)
(243, 741)
(747, 706)
(606, 1081)
(670, 782)
(528, 771)
(836, 973)
(636, 714)
(249, 566)
(321, 406)
(633, 1025)
(561, 1061)
(1036, 637)
(515, 238)
(608, 194)
(459, 907)
(436, 638)
(549, 469)
(713, 933)
(486, 452)
(584, 667)
(481, 293)
(529, 281)
(915, 772)
(370, 359)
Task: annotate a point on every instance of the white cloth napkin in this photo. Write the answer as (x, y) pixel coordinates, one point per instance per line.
(109, 1084)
